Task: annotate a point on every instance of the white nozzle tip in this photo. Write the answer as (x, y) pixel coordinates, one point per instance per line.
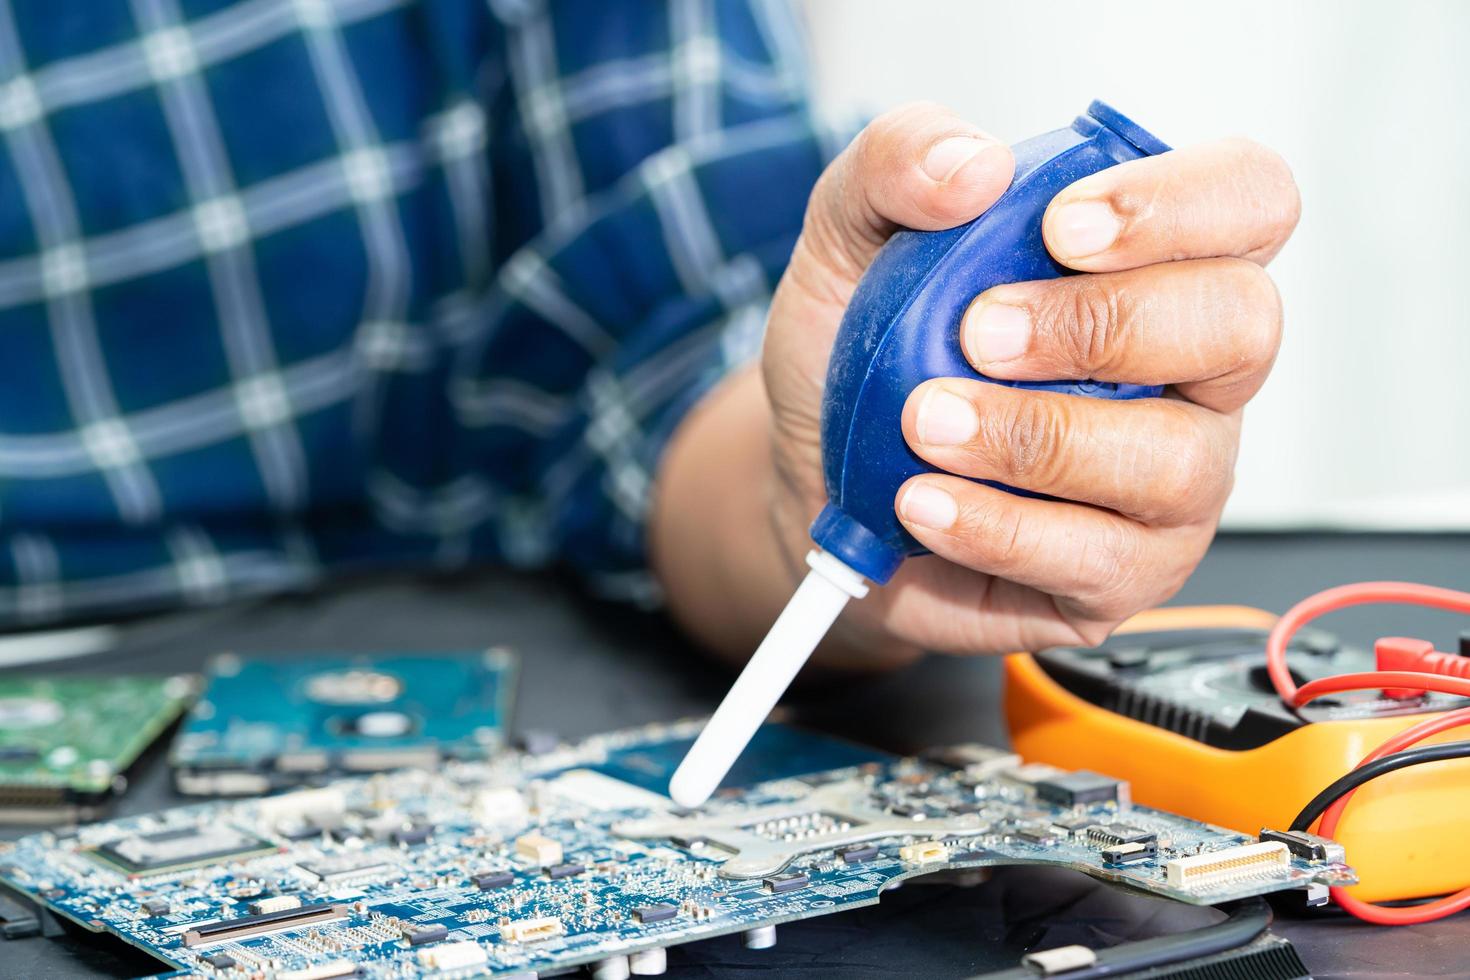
(685, 789)
(792, 638)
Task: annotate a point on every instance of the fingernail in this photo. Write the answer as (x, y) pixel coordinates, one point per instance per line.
(946, 419)
(928, 506)
(946, 157)
(1084, 228)
(994, 332)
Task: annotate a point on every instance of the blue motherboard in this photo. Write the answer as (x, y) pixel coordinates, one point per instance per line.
(269, 723)
(532, 864)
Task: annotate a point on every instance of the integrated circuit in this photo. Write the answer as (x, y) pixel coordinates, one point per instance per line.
(1080, 788)
(174, 850)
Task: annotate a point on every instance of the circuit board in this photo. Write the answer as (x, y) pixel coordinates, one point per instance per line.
(66, 741)
(537, 863)
(265, 724)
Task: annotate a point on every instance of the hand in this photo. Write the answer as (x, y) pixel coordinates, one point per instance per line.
(1174, 294)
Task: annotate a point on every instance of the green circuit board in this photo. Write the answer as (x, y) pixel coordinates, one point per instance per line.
(66, 740)
(535, 864)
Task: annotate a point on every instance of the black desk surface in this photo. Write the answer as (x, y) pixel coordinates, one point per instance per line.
(588, 668)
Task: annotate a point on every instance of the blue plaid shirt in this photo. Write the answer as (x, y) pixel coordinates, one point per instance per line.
(292, 286)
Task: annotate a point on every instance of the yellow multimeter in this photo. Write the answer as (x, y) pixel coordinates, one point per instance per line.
(1178, 702)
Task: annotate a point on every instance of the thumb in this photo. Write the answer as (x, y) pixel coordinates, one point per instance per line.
(917, 166)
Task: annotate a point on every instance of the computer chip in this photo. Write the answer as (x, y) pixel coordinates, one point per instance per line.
(66, 741)
(267, 723)
(172, 850)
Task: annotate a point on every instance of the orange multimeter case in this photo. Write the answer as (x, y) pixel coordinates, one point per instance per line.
(1177, 702)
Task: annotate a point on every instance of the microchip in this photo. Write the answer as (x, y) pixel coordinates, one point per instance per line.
(781, 884)
(336, 870)
(491, 880)
(655, 913)
(156, 906)
(412, 836)
(1073, 824)
(1111, 835)
(860, 853)
(175, 849)
(564, 870)
(1080, 787)
(1035, 833)
(298, 831)
(426, 934)
(220, 961)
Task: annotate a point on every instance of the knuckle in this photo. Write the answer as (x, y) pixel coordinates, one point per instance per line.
(1093, 320)
(1029, 433)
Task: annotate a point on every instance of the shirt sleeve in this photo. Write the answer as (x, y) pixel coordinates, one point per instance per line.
(647, 204)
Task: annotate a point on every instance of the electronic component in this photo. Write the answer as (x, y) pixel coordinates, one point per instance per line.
(1130, 852)
(1232, 864)
(65, 742)
(172, 850)
(412, 836)
(1309, 846)
(655, 913)
(539, 849)
(491, 880)
(339, 969)
(341, 869)
(1111, 835)
(155, 906)
(532, 930)
(453, 956)
(499, 804)
(426, 934)
(781, 884)
(275, 903)
(247, 926)
(923, 852)
(220, 961)
(1034, 833)
(270, 723)
(774, 850)
(1082, 786)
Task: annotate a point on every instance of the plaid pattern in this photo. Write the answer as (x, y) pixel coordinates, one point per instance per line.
(290, 286)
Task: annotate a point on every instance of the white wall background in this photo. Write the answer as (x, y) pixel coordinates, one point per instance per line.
(1366, 419)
